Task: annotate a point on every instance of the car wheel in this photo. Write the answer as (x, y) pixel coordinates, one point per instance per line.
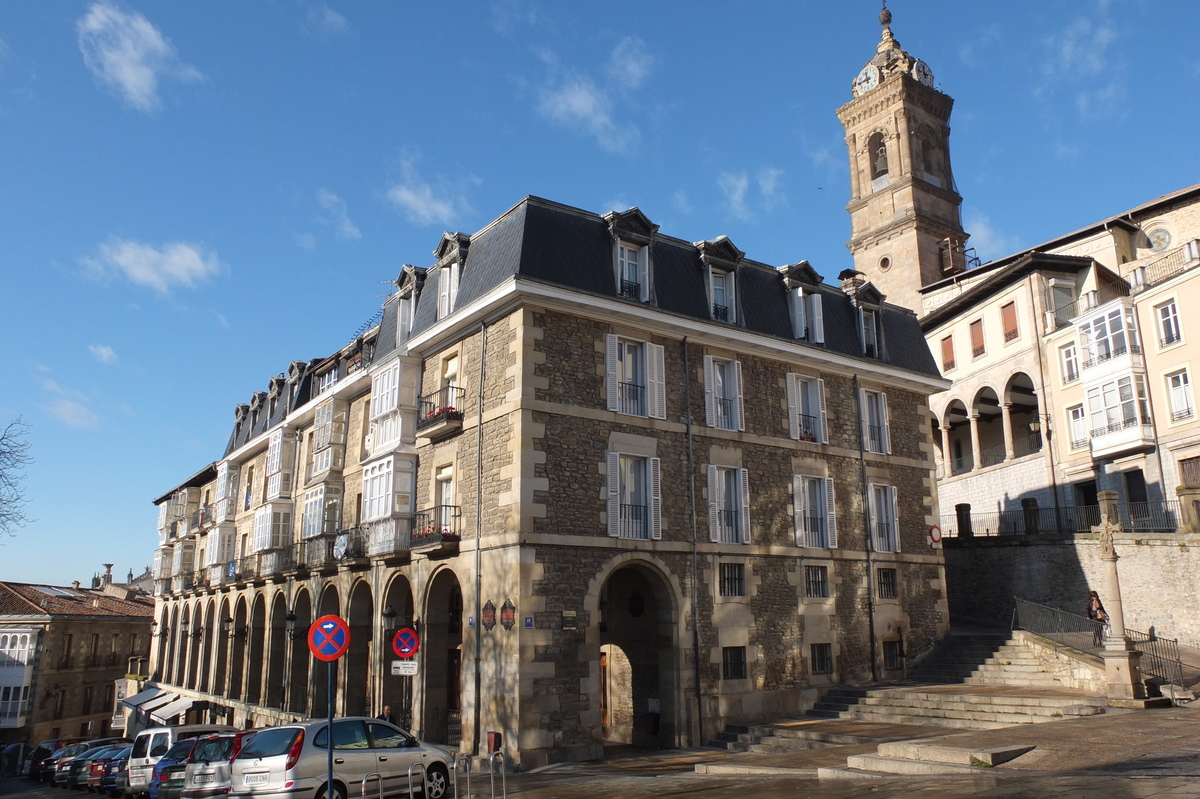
(437, 781)
(338, 791)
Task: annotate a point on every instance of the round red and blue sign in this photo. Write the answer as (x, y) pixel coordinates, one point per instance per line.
(406, 642)
(329, 638)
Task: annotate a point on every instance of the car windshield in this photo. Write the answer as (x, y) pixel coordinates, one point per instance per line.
(213, 749)
(269, 743)
(74, 749)
(180, 750)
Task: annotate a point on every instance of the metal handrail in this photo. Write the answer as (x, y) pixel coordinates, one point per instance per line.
(503, 774)
(462, 759)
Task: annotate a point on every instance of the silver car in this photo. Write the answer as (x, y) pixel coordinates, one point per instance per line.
(290, 762)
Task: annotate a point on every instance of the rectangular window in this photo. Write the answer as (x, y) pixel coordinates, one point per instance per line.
(883, 517)
(326, 381)
(1179, 393)
(808, 315)
(977, 348)
(822, 658)
(1069, 360)
(1077, 420)
(377, 491)
(634, 497)
(869, 327)
(636, 373)
(447, 289)
(893, 655)
(1109, 336)
(1118, 404)
(403, 318)
(1168, 323)
(633, 271)
(733, 663)
(385, 390)
(1008, 319)
(813, 499)
(816, 582)
(888, 586)
(721, 288)
(948, 353)
(1189, 471)
(86, 708)
(876, 432)
(806, 409)
(732, 579)
(728, 505)
(723, 394)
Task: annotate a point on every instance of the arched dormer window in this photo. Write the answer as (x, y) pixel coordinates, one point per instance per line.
(878, 158)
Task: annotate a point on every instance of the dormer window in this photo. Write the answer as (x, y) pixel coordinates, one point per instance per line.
(721, 285)
(326, 381)
(447, 289)
(403, 318)
(808, 318)
(869, 329)
(633, 278)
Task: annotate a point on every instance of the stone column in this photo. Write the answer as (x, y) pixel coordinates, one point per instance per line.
(976, 462)
(948, 454)
(1122, 665)
(1006, 415)
(904, 144)
(851, 147)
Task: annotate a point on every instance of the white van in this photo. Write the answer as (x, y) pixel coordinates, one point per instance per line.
(150, 745)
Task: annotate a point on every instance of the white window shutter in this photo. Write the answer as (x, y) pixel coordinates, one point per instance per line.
(454, 276)
(799, 323)
(443, 293)
(830, 513)
(816, 325)
(824, 418)
(887, 433)
(710, 406)
(731, 296)
(737, 381)
(793, 400)
(800, 509)
(657, 369)
(655, 499)
(614, 494)
(610, 366)
(872, 517)
(866, 419)
(895, 520)
(744, 484)
(714, 505)
(644, 272)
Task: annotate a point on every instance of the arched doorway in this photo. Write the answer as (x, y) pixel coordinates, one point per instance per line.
(237, 688)
(277, 651)
(163, 670)
(258, 630)
(442, 642)
(990, 424)
(174, 649)
(361, 654)
(398, 691)
(297, 701)
(638, 669)
(957, 422)
(219, 686)
(196, 631)
(330, 606)
(1021, 402)
(206, 655)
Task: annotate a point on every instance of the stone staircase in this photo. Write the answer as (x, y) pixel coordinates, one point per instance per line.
(783, 737)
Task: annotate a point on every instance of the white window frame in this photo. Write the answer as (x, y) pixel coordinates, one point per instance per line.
(1068, 361)
(1166, 316)
(1103, 341)
(711, 406)
(719, 501)
(883, 446)
(404, 316)
(378, 482)
(868, 332)
(385, 390)
(1179, 395)
(638, 256)
(808, 315)
(885, 527)
(728, 286)
(448, 276)
(272, 528)
(1117, 404)
(620, 490)
(804, 489)
(806, 397)
(327, 380)
(652, 371)
(1077, 424)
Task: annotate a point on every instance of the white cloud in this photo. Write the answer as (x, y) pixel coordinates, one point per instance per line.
(421, 202)
(322, 20)
(305, 241)
(68, 406)
(681, 202)
(630, 62)
(735, 187)
(578, 102)
(508, 14)
(768, 184)
(1081, 48)
(1083, 67)
(175, 264)
(129, 55)
(103, 353)
(221, 320)
(989, 243)
(335, 207)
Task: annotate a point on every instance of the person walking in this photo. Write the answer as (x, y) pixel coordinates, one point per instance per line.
(386, 715)
(1096, 612)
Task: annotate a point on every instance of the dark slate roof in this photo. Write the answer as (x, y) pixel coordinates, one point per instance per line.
(25, 599)
(541, 240)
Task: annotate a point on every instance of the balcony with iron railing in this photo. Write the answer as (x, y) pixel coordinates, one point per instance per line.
(1027, 445)
(439, 413)
(990, 456)
(438, 527)
(1129, 432)
(633, 522)
(720, 312)
(1089, 300)
(388, 537)
(874, 442)
(726, 412)
(1168, 266)
(729, 526)
(1109, 353)
(810, 427)
(631, 399)
(814, 532)
(631, 289)
(1138, 517)
(961, 465)
(1179, 414)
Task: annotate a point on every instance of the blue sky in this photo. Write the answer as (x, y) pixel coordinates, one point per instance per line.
(193, 194)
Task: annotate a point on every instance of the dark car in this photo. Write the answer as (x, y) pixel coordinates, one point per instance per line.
(66, 765)
(208, 771)
(37, 769)
(116, 772)
(99, 766)
(178, 754)
(79, 767)
(58, 763)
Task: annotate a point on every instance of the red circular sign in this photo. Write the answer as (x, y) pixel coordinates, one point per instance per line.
(935, 534)
(329, 638)
(406, 642)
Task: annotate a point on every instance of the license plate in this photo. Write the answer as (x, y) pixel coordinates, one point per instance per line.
(257, 779)
(204, 779)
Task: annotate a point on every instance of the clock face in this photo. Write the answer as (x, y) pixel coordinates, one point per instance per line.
(923, 73)
(867, 79)
(1160, 239)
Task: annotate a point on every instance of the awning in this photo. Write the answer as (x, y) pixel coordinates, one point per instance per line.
(169, 711)
(142, 697)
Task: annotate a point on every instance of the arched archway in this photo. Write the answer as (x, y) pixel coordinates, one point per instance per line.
(330, 606)
(237, 665)
(877, 155)
(359, 658)
(196, 631)
(221, 634)
(442, 642)
(961, 457)
(398, 691)
(163, 669)
(639, 685)
(277, 651)
(297, 698)
(1021, 404)
(258, 631)
(210, 631)
(174, 653)
(986, 408)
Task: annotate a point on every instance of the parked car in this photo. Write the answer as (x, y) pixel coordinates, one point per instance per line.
(178, 754)
(44, 750)
(66, 764)
(151, 744)
(56, 765)
(290, 761)
(80, 766)
(99, 766)
(208, 772)
(115, 773)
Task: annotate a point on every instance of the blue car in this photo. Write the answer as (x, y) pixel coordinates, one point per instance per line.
(113, 781)
(181, 752)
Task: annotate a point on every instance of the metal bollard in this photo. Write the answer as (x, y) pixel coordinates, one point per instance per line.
(503, 774)
(374, 775)
(467, 770)
(424, 779)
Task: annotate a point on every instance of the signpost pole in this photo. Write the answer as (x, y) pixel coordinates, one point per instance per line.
(328, 640)
(329, 735)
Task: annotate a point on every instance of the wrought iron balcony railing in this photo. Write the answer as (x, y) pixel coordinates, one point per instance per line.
(439, 523)
(438, 406)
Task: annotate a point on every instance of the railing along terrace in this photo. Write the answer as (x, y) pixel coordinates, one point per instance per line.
(990, 456)
(1150, 516)
(1027, 445)
(445, 403)
(1116, 427)
(960, 465)
(1114, 352)
(1167, 267)
(439, 523)
(1142, 517)
(633, 522)
(1089, 300)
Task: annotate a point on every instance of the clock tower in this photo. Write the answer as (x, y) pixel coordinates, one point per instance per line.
(905, 218)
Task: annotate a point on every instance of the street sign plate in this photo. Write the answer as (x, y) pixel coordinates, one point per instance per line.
(406, 642)
(329, 638)
(404, 668)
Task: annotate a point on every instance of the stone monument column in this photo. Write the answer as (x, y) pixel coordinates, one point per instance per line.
(1122, 667)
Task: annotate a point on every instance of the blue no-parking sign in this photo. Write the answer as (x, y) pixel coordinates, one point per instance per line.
(329, 638)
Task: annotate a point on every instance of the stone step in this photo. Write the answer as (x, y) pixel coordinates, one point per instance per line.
(955, 755)
(815, 736)
(1016, 716)
(994, 708)
(1011, 668)
(1027, 681)
(888, 765)
(925, 721)
(984, 698)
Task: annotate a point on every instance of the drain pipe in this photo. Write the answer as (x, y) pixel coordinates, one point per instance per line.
(866, 506)
(478, 534)
(687, 401)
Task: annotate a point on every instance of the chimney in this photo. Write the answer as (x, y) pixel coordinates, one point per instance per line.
(107, 578)
(75, 584)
